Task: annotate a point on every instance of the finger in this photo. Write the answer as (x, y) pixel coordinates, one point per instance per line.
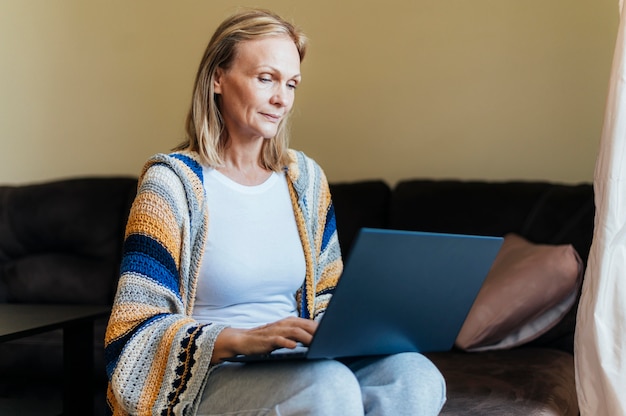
(307, 325)
(283, 335)
(300, 334)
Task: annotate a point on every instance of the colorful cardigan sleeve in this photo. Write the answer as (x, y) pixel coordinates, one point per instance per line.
(157, 356)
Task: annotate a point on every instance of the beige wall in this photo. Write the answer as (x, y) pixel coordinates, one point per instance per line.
(490, 89)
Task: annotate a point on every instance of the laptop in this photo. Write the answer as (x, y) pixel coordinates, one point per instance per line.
(400, 291)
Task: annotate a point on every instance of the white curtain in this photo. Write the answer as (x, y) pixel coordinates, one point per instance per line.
(600, 341)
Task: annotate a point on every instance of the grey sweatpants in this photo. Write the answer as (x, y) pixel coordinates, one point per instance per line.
(394, 385)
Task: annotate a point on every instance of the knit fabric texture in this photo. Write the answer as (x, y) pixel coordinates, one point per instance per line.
(157, 356)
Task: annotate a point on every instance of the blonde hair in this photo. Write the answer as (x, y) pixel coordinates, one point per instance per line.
(205, 126)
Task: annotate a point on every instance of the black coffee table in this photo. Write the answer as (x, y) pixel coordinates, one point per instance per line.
(77, 322)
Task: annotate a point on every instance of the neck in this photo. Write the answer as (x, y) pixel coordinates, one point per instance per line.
(241, 164)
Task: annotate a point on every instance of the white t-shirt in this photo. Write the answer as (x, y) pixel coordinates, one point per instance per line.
(253, 262)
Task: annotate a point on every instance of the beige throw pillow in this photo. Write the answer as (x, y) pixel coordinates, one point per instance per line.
(528, 290)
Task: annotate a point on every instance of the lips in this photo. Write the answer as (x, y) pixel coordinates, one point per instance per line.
(274, 118)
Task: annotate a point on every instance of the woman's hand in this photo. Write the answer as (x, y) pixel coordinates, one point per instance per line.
(286, 333)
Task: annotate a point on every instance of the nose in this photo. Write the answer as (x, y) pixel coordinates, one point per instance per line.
(280, 96)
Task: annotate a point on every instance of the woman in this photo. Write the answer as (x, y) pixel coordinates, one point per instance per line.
(231, 248)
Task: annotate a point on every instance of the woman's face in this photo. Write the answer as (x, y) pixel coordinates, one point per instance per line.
(258, 89)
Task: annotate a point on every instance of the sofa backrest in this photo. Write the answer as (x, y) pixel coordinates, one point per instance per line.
(542, 212)
(359, 204)
(60, 242)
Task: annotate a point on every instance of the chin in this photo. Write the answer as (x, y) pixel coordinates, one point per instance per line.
(270, 134)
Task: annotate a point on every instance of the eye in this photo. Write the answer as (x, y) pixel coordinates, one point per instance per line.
(292, 85)
(265, 79)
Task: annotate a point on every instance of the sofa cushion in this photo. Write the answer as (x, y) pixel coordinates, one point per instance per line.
(519, 382)
(529, 288)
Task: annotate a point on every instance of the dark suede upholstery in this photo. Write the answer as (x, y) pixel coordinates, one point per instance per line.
(538, 380)
(60, 242)
(539, 211)
(357, 205)
(518, 382)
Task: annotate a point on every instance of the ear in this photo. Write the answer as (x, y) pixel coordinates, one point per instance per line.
(217, 81)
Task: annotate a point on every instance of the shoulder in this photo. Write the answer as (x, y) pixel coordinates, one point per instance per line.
(183, 163)
(178, 173)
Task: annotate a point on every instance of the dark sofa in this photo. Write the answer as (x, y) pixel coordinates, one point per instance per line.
(60, 242)
(538, 377)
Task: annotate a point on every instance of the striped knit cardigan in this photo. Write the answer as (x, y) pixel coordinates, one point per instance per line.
(157, 356)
